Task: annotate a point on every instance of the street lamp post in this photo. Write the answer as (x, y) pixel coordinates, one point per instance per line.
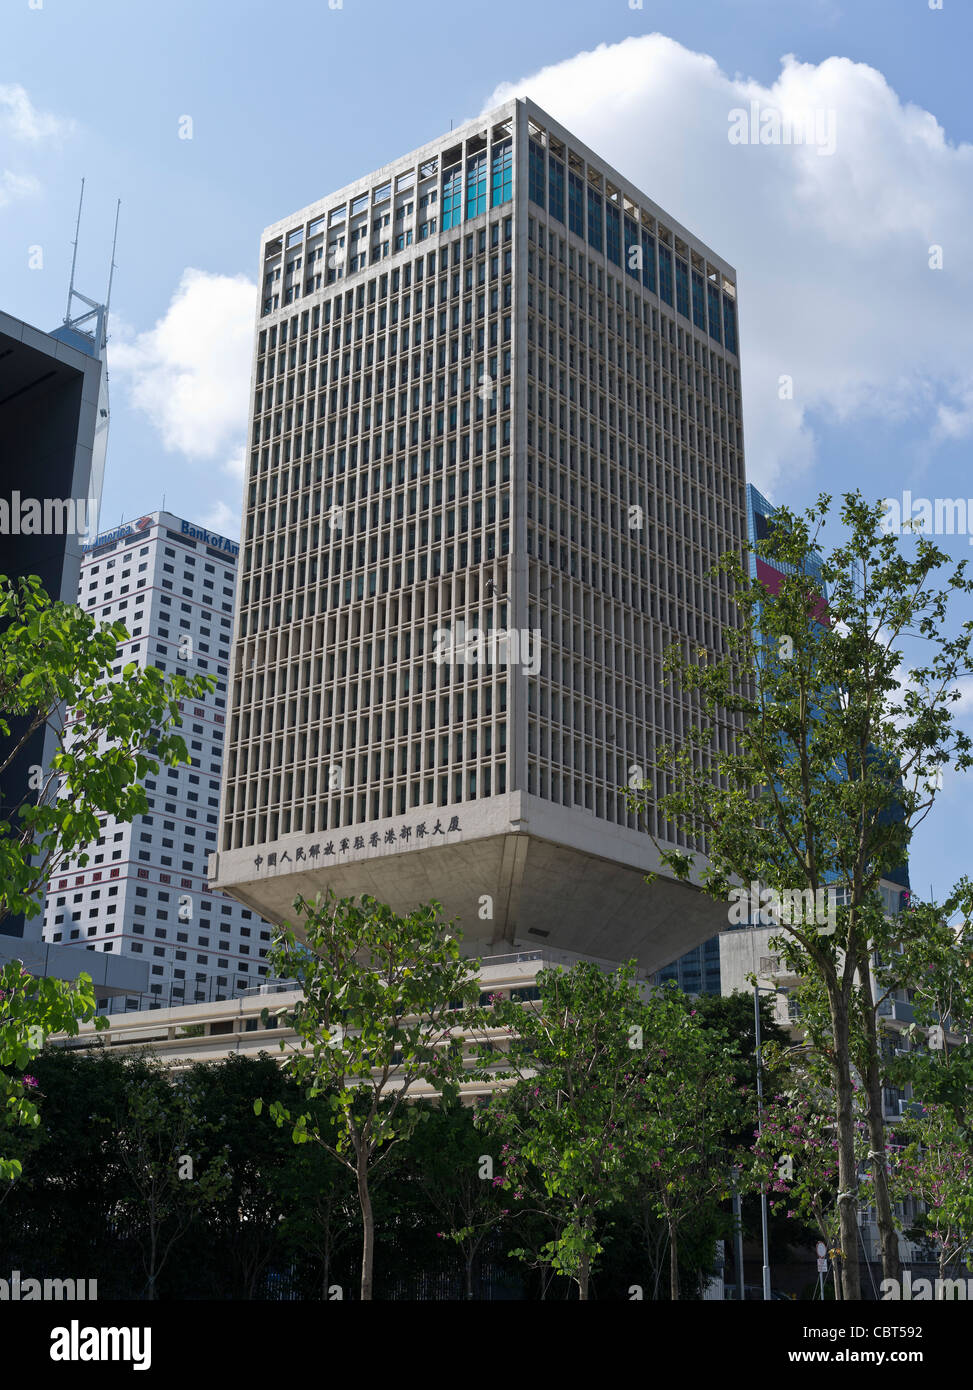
(760, 1123)
(738, 1232)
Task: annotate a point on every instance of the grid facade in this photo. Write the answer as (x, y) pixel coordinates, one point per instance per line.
(144, 891)
(760, 515)
(495, 389)
(378, 505)
(696, 972)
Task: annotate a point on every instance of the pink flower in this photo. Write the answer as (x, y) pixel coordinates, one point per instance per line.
(30, 1080)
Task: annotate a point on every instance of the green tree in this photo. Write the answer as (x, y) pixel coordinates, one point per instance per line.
(157, 1135)
(454, 1170)
(795, 1158)
(804, 801)
(384, 1001)
(323, 1218)
(689, 1102)
(243, 1220)
(567, 1124)
(31, 1008)
(55, 672)
(731, 1016)
(934, 962)
(934, 1161)
(62, 1214)
(933, 1166)
(76, 1207)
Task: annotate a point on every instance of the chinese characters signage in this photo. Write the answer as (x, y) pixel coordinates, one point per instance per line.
(318, 852)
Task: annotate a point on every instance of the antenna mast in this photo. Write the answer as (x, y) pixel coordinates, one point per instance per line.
(74, 257)
(111, 268)
(93, 314)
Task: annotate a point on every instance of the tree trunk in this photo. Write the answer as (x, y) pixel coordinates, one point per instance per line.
(469, 1274)
(654, 1257)
(153, 1247)
(888, 1235)
(847, 1164)
(326, 1262)
(368, 1228)
(673, 1263)
(826, 1238)
(939, 1291)
(584, 1276)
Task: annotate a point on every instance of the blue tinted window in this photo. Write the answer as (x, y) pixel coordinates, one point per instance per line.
(729, 324)
(555, 188)
(631, 239)
(476, 181)
(699, 300)
(452, 197)
(713, 304)
(665, 274)
(682, 287)
(648, 263)
(595, 236)
(503, 163)
(536, 174)
(575, 204)
(613, 234)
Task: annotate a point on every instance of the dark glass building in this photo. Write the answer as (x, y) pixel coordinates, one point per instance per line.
(53, 426)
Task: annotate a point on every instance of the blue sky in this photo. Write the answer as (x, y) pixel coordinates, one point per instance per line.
(292, 99)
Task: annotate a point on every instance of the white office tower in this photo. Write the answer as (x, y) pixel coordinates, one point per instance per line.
(495, 446)
(144, 892)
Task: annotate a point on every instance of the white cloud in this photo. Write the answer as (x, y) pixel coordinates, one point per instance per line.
(235, 465)
(955, 420)
(22, 123)
(223, 519)
(14, 186)
(190, 374)
(963, 707)
(832, 251)
(21, 120)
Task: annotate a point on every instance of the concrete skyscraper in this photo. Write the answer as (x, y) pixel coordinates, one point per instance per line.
(495, 448)
(143, 895)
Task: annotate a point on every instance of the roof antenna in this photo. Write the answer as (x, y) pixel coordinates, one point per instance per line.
(74, 258)
(111, 268)
(98, 335)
